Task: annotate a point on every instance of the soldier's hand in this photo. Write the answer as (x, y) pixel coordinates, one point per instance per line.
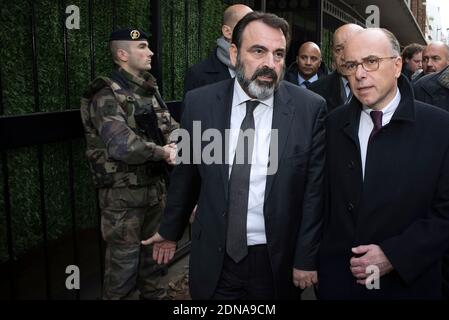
(163, 250)
(170, 153)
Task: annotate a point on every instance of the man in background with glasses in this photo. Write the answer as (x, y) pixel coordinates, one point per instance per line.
(387, 223)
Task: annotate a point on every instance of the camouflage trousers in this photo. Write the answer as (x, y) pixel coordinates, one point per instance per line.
(129, 215)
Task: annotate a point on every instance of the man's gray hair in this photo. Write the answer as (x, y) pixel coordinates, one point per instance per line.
(395, 47)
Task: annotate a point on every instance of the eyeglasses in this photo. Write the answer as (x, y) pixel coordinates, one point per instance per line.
(368, 64)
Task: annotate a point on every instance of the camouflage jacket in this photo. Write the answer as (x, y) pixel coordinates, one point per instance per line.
(119, 151)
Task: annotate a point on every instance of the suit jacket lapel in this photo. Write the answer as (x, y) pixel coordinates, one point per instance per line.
(282, 120)
(350, 128)
(335, 99)
(351, 125)
(222, 121)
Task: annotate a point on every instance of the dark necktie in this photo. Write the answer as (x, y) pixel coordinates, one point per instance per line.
(376, 116)
(236, 242)
(349, 96)
(306, 83)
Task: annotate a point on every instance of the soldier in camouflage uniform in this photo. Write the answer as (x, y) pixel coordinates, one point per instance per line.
(127, 125)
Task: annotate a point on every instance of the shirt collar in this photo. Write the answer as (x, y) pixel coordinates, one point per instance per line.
(312, 79)
(240, 96)
(389, 109)
(231, 72)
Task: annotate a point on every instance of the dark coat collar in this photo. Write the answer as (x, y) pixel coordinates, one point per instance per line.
(404, 112)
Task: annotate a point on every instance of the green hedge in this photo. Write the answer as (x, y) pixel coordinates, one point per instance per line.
(18, 96)
(204, 15)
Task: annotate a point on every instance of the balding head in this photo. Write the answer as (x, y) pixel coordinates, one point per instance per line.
(435, 57)
(308, 59)
(341, 35)
(309, 46)
(231, 16)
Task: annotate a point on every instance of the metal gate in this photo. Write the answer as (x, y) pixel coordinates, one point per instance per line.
(49, 213)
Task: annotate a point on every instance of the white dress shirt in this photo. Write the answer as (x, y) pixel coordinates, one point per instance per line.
(263, 116)
(301, 80)
(367, 125)
(231, 72)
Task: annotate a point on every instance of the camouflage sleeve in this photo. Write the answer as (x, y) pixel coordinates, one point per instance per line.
(166, 122)
(121, 141)
(173, 125)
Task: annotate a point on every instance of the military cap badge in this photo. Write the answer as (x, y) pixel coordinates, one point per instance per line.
(135, 34)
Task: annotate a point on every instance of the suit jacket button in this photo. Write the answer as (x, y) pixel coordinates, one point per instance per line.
(351, 165)
(220, 249)
(350, 206)
(224, 213)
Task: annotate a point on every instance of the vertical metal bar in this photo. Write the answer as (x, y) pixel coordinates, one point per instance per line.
(73, 208)
(91, 39)
(66, 58)
(34, 51)
(186, 41)
(7, 205)
(2, 109)
(156, 41)
(114, 15)
(319, 23)
(69, 143)
(172, 52)
(43, 217)
(100, 241)
(43, 214)
(200, 11)
(92, 76)
(263, 5)
(8, 222)
(186, 34)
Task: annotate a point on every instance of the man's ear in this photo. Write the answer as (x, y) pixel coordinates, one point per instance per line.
(122, 55)
(398, 66)
(233, 54)
(227, 32)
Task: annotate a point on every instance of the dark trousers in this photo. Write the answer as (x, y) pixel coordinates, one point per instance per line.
(250, 279)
